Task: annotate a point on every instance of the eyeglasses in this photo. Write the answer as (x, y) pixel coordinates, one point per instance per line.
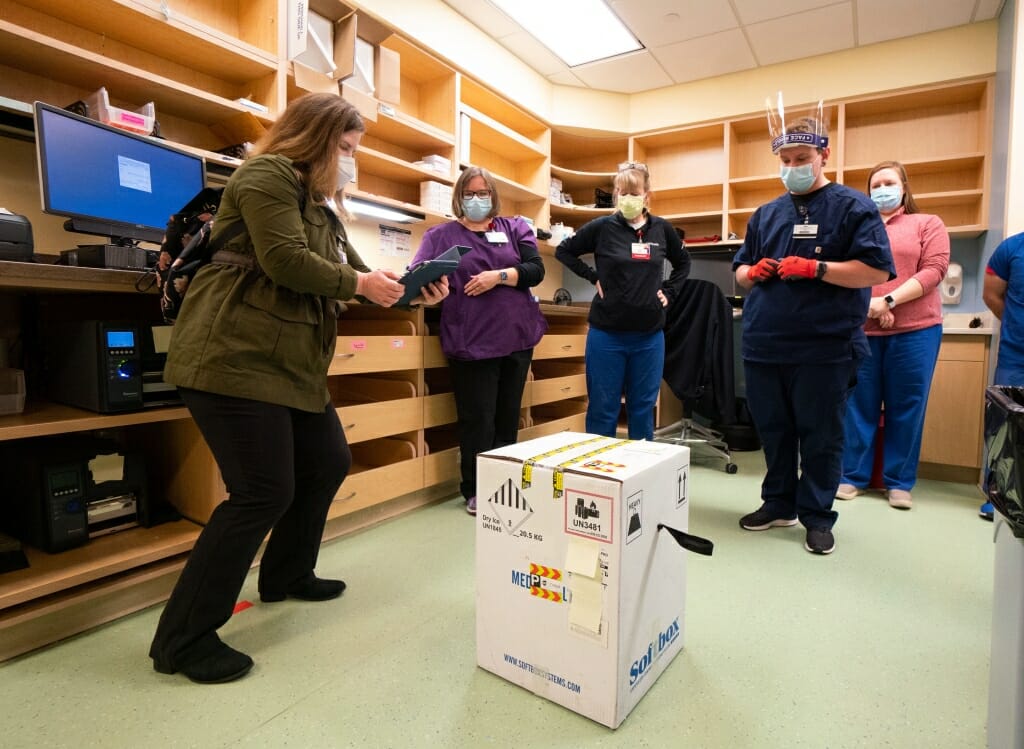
(639, 166)
(470, 194)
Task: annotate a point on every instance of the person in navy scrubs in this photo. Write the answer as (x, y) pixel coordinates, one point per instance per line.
(809, 260)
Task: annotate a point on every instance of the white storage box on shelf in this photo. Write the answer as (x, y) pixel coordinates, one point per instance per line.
(138, 121)
(581, 595)
(436, 197)
(437, 163)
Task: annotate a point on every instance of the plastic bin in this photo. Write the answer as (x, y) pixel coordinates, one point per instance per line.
(1004, 444)
(12, 391)
(1006, 670)
(138, 121)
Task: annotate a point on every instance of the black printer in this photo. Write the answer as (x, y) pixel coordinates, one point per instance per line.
(16, 238)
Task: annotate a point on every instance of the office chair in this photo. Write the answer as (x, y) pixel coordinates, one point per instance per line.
(699, 368)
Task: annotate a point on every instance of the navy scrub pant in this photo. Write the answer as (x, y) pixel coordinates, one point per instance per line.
(282, 468)
(798, 410)
(623, 363)
(899, 374)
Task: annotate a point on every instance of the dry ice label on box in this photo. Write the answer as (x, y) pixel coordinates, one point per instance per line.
(590, 515)
(507, 510)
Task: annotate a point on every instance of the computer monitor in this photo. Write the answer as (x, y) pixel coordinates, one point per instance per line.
(108, 181)
(715, 265)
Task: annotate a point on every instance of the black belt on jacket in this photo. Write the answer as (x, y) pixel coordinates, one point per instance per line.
(226, 257)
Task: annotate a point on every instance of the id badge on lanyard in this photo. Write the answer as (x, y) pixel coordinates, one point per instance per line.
(641, 250)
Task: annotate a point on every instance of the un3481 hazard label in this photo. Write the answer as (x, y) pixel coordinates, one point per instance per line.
(590, 515)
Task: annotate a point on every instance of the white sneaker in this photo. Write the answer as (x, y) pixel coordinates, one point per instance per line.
(847, 491)
(900, 499)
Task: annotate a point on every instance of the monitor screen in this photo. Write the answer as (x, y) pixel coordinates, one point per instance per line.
(108, 181)
(715, 265)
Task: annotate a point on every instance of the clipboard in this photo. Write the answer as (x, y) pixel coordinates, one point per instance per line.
(429, 271)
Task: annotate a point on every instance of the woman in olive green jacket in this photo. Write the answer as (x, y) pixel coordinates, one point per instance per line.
(249, 354)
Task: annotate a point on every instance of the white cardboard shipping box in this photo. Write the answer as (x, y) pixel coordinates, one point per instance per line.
(580, 598)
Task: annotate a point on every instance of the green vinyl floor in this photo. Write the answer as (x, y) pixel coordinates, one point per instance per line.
(885, 643)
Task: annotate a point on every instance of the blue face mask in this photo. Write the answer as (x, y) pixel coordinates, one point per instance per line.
(476, 209)
(798, 179)
(887, 197)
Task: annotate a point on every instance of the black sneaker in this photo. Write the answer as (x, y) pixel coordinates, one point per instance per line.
(820, 541)
(763, 519)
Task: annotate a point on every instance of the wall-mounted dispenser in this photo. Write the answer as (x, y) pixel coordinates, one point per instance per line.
(952, 286)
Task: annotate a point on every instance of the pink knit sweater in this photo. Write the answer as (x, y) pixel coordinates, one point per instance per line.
(920, 249)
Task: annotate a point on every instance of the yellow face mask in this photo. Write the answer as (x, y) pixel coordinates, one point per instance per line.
(630, 206)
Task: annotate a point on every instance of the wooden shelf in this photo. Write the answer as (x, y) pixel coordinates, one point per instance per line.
(572, 213)
(25, 49)
(408, 132)
(43, 418)
(173, 37)
(43, 277)
(96, 559)
(488, 133)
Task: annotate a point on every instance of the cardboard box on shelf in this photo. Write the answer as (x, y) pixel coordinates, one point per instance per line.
(580, 597)
(387, 75)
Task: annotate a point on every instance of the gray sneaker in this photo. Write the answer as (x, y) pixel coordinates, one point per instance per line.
(820, 541)
(762, 520)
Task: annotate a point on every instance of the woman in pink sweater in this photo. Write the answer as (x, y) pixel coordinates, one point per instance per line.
(904, 329)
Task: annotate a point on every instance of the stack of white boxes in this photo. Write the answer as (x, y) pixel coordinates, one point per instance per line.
(555, 191)
(436, 163)
(580, 597)
(436, 197)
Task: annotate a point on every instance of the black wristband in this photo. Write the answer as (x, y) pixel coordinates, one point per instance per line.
(821, 270)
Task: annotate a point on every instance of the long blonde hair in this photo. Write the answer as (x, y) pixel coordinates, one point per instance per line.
(310, 132)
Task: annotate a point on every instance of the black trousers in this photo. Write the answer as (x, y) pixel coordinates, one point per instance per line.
(282, 468)
(488, 397)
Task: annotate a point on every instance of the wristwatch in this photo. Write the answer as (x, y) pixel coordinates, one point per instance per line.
(890, 301)
(503, 276)
(821, 270)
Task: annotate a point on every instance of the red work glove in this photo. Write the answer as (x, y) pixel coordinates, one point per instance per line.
(795, 268)
(763, 269)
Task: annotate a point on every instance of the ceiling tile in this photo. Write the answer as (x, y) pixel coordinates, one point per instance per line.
(708, 56)
(566, 79)
(880, 20)
(988, 9)
(484, 15)
(755, 11)
(626, 74)
(533, 53)
(799, 36)
(657, 23)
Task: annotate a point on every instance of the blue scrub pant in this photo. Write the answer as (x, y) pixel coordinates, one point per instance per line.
(898, 374)
(623, 363)
(798, 410)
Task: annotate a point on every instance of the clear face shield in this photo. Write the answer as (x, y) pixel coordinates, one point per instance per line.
(805, 126)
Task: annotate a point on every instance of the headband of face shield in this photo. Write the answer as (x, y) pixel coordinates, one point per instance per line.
(807, 127)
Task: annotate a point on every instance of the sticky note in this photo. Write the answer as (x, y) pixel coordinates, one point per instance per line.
(587, 604)
(581, 557)
(107, 468)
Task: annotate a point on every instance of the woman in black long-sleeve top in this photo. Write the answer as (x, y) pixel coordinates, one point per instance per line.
(626, 344)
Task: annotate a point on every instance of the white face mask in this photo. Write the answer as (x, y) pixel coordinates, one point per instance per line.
(346, 170)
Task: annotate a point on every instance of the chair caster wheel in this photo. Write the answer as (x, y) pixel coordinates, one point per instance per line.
(731, 468)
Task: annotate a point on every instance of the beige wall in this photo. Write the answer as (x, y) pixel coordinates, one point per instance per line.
(928, 58)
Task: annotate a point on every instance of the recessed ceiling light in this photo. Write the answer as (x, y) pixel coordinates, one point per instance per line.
(578, 31)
